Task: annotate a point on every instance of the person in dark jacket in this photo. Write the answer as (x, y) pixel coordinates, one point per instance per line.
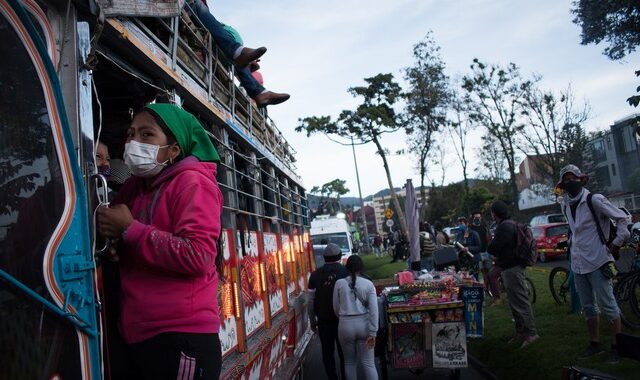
(321, 314)
(503, 247)
(484, 259)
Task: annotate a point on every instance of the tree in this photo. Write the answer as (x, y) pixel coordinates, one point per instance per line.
(426, 103)
(614, 21)
(331, 205)
(460, 128)
(493, 165)
(373, 118)
(550, 132)
(493, 95)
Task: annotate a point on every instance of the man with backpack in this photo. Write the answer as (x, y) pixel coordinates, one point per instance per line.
(321, 314)
(508, 246)
(593, 245)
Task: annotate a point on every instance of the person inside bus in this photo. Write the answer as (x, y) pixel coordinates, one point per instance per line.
(356, 305)
(231, 44)
(167, 217)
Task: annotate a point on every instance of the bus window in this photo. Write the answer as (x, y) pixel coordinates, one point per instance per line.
(33, 343)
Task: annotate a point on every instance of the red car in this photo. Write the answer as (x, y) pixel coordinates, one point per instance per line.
(548, 238)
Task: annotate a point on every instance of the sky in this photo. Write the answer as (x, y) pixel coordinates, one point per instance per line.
(318, 49)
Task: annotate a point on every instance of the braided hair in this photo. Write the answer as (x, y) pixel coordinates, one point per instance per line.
(354, 266)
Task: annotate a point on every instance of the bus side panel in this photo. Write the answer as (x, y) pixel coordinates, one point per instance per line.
(228, 305)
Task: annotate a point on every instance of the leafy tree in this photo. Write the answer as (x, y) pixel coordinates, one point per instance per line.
(493, 165)
(552, 123)
(373, 118)
(426, 103)
(331, 191)
(613, 21)
(493, 96)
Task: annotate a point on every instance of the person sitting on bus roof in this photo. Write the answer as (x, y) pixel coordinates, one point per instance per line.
(231, 44)
(167, 216)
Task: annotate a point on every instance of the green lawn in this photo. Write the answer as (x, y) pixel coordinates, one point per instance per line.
(562, 336)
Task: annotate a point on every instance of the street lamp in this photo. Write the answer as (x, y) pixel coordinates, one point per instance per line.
(364, 216)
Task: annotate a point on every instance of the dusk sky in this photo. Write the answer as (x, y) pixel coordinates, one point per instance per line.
(318, 49)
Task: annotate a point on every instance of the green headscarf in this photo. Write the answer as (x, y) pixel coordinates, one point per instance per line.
(191, 136)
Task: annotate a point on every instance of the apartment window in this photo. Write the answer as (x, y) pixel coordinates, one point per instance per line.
(628, 139)
(602, 175)
(598, 151)
(613, 170)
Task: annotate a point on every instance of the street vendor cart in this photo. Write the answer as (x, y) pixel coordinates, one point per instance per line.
(426, 323)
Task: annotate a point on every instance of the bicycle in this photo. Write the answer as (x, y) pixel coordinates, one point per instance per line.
(626, 289)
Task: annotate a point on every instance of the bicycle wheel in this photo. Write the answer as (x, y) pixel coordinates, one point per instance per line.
(623, 289)
(559, 284)
(531, 290)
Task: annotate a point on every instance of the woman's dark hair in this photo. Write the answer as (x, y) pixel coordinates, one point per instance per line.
(438, 226)
(354, 266)
(171, 138)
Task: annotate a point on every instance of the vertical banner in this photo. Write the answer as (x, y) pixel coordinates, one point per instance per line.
(473, 296)
(227, 296)
(299, 265)
(254, 311)
(276, 299)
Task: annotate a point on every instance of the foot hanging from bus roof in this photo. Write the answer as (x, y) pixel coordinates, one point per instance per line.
(247, 55)
(267, 98)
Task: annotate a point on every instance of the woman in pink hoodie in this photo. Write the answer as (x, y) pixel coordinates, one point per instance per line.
(167, 217)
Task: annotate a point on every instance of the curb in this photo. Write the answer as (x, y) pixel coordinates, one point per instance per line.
(482, 368)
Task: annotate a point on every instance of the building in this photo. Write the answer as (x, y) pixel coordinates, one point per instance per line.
(535, 189)
(382, 203)
(612, 162)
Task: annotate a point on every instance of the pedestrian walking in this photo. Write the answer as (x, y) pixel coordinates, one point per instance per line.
(322, 317)
(485, 260)
(355, 303)
(503, 247)
(592, 254)
(377, 245)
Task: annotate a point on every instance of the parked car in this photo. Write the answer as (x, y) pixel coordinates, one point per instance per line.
(549, 239)
(547, 219)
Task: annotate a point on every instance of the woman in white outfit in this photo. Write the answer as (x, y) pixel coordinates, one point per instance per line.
(355, 303)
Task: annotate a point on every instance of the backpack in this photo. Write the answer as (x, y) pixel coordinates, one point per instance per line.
(613, 232)
(526, 248)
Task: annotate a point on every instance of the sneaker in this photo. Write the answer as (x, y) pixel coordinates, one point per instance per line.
(528, 340)
(613, 357)
(590, 351)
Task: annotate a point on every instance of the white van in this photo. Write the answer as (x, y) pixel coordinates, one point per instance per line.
(327, 229)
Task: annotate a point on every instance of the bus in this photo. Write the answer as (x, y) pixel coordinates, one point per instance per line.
(73, 74)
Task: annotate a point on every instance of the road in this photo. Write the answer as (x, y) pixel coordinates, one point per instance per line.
(314, 370)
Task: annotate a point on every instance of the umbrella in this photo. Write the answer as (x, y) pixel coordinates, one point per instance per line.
(411, 211)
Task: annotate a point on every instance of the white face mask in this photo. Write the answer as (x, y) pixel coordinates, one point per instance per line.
(141, 159)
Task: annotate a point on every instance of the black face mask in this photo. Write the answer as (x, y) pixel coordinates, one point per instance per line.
(476, 221)
(573, 187)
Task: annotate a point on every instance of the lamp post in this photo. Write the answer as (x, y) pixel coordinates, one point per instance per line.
(364, 217)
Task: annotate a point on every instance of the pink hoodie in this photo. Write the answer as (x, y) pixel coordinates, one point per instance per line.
(167, 268)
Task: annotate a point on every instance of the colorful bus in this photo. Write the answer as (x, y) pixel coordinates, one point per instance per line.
(72, 74)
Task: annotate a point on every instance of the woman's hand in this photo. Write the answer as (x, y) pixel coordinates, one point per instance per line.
(113, 221)
(371, 342)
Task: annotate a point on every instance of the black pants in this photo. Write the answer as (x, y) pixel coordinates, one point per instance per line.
(328, 332)
(181, 356)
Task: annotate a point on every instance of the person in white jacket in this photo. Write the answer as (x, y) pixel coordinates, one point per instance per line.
(356, 305)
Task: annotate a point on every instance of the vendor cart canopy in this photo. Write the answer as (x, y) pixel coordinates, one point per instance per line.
(141, 8)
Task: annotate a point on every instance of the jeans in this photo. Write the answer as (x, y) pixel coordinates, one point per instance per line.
(513, 279)
(227, 44)
(353, 333)
(328, 332)
(596, 290)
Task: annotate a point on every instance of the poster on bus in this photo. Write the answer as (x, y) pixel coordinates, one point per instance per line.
(254, 312)
(228, 326)
(276, 299)
(289, 276)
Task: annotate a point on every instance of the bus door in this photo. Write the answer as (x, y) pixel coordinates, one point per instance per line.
(48, 322)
